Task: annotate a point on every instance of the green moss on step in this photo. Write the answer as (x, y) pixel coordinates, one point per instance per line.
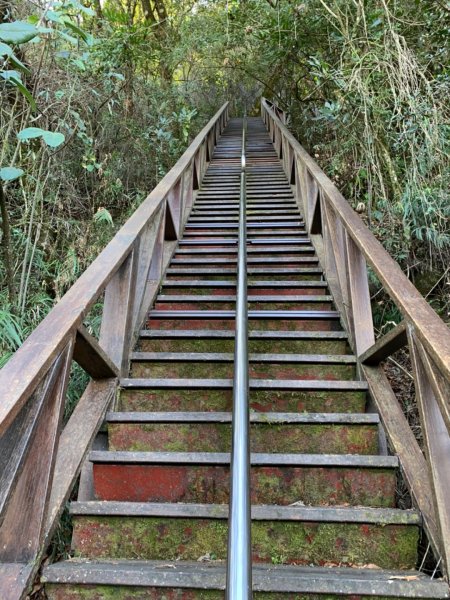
(261, 400)
(106, 592)
(388, 546)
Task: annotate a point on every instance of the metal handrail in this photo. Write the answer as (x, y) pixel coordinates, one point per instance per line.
(239, 565)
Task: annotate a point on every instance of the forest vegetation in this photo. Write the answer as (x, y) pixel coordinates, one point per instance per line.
(100, 97)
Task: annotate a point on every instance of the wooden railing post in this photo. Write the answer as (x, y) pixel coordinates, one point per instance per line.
(436, 439)
(115, 332)
(23, 522)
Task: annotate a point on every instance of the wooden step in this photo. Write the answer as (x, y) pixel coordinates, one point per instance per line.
(254, 273)
(80, 579)
(255, 302)
(287, 320)
(261, 366)
(300, 535)
(216, 340)
(211, 432)
(281, 479)
(265, 395)
(220, 287)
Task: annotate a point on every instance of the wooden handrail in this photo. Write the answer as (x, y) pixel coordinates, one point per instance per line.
(40, 460)
(347, 247)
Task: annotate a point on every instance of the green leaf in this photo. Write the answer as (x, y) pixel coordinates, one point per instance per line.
(17, 32)
(68, 38)
(10, 74)
(50, 15)
(82, 34)
(103, 216)
(10, 173)
(30, 133)
(53, 138)
(5, 50)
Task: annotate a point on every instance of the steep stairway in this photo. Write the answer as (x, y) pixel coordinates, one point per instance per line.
(323, 487)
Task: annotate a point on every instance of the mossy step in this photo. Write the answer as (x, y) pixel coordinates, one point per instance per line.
(211, 432)
(282, 479)
(254, 273)
(228, 302)
(265, 395)
(226, 344)
(280, 320)
(282, 261)
(306, 535)
(261, 366)
(78, 579)
(258, 288)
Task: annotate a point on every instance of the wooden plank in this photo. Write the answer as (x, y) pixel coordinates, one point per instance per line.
(252, 314)
(296, 579)
(91, 357)
(147, 242)
(260, 384)
(19, 378)
(75, 443)
(226, 417)
(21, 538)
(359, 297)
(437, 445)
(404, 444)
(387, 516)
(441, 387)
(190, 459)
(115, 332)
(219, 357)
(385, 345)
(255, 334)
(15, 444)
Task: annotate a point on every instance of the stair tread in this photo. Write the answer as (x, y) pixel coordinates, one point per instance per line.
(374, 461)
(226, 298)
(266, 577)
(253, 314)
(255, 334)
(255, 417)
(284, 384)
(252, 357)
(382, 516)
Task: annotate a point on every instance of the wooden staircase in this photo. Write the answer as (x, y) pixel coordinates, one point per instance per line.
(151, 516)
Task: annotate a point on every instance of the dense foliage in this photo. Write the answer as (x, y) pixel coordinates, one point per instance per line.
(99, 98)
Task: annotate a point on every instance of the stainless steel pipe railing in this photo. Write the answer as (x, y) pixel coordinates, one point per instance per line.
(239, 565)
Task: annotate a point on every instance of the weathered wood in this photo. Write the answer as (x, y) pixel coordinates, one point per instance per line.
(335, 264)
(437, 445)
(115, 332)
(74, 445)
(359, 298)
(21, 538)
(256, 459)
(148, 241)
(91, 357)
(388, 516)
(277, 579)
(404, 444)
(260, 384)
(386, 345)
(226, 417)
(15, 444)
(219, 357)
